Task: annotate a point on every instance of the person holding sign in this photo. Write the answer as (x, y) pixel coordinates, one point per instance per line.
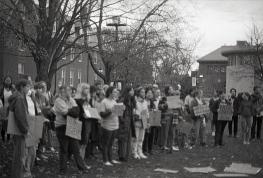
(220, 123)
(65, 106)
(199, 122)
(140, 122)
(82, 99)
(110, 125)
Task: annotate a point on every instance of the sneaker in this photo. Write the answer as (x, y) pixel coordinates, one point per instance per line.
(213, 134)
(165, 148)
(136, 156)
(108, 164)
(142, 156)
(175, 148)
(115, 162)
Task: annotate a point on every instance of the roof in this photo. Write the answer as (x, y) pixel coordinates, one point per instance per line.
(216, 55)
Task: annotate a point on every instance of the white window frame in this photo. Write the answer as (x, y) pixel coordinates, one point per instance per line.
(21, 68)
(72, 54)
(63, 76)
(79, 76)
(71, 78)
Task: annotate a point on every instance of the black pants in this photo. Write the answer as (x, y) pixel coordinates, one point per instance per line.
(4, 130)
(149, 139)
(230, 123)
(124, 147)
(107, 143)
(256, 127)
(68, 145)
(220, 127)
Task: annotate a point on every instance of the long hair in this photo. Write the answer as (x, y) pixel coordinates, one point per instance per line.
(7, 86)
(80, 89)
(127, 98)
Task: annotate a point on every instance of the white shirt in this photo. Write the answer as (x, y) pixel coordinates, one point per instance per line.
(31, 106)
(7, 94)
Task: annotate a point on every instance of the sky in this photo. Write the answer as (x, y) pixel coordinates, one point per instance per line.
(219, 22)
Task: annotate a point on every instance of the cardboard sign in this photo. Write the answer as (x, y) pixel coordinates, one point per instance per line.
(91, 112)
(73, 128)
(201, 110)
(225, 112)
(155, 118)
(174, 102)
(38, 130)
(32, 138)
(118, 109)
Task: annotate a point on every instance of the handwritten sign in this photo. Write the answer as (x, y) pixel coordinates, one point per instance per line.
(155, 118)
(91, 112)
(73, 128)
(201, 110)
(174, 102)
(225, 112)
(118, 109)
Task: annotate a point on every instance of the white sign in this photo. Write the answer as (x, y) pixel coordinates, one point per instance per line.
(194, 81)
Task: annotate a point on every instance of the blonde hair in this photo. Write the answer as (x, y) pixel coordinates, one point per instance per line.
(80, 89)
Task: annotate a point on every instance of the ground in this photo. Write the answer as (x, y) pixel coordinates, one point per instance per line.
(218, 158)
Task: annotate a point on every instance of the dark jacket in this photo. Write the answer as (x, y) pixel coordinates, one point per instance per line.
(214, 105)
(257, 101)
(246, 108)
(18, 105)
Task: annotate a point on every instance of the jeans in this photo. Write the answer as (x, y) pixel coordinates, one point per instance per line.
(166, 127)
(28, 161)
(220, 127)
(256, 127)
(200, 131)
(65, 144)
(246, 123)
(108, 137)
(230, 123)
(18, 156)
(137, 142)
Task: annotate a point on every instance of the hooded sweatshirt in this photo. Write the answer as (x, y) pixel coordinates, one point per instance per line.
(18, 105)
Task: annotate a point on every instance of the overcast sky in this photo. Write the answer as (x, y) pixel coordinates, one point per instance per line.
(220, 22)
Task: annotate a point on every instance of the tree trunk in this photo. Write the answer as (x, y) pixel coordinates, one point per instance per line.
(42, 66)
(107, 75)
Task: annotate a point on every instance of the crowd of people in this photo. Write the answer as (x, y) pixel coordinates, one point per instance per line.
(132, 132)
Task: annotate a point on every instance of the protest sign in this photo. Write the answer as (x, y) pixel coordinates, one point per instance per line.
(174, 102)
(11, 126)
(118, 109)
(31, 139)
(201, 110)
(91, 112)
(38, 130)
(225, 112)
(73, 128)
(155, 118)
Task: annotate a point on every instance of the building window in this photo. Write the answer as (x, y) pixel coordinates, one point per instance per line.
(79, 76)
(80, 57)
(63, 76)
(63, 53)
(72, 54)
(20, 68)
(71, 78)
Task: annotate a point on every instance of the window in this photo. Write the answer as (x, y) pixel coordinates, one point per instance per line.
(63, 53)
(72, 54)
(63, 76)
(71, 78)
(20, 68)
(80, 57)
(79, 76)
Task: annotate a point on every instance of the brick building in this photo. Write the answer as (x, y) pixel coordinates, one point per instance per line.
(211, 75)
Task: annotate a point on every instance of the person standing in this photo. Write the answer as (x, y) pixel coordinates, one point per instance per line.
(257, 101)
(65, 106)
(234, 103)
(5, 93)
(246, 114)
(140, 122)
(18, 105)
(213, 108)
(220, 124)
(110, 125)
(127, 129)
(199, 122)
(82, 98)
